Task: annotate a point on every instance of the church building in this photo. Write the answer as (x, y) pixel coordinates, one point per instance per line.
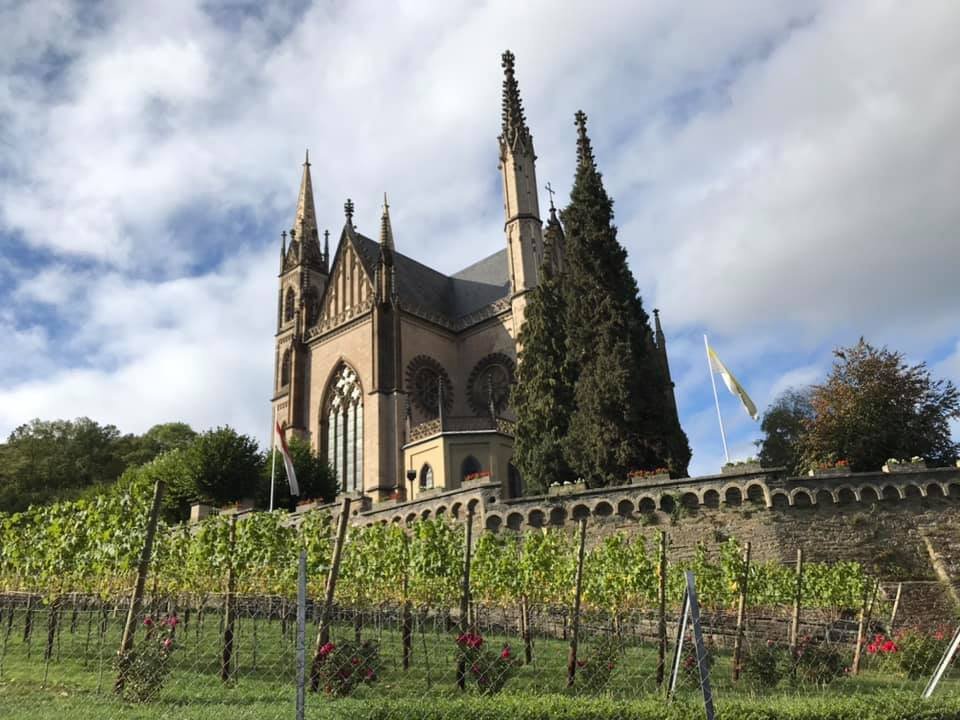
(399, 374)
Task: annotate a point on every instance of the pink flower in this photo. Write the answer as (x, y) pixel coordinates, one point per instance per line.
(148, 621)
(167, 643)
(505, 653)
(889, 647)
(173, 621)
(370, 674)
(355, 661)
(326, 649)
(872, 648)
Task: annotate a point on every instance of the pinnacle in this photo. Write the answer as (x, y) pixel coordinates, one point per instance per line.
(514, 123)
(386, 231)
(305, 223)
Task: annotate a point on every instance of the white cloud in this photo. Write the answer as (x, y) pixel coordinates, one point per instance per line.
(782, 179)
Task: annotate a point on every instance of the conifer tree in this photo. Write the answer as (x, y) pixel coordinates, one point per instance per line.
(543, 395)
(620, 420)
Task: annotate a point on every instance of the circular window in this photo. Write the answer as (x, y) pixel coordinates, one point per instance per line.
(425, 377)
(490, 383)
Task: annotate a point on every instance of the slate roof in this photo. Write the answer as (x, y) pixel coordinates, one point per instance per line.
(456, 301)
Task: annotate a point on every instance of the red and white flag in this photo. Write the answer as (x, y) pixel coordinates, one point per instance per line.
(288, 462)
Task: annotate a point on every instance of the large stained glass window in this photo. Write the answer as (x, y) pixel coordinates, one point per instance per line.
(344, 417)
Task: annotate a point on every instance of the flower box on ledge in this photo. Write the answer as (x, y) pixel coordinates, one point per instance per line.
(741, 468)
(566, 488)
(904, 466)
(477, 478)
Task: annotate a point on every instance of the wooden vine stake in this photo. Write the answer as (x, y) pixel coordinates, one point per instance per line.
(136, 602)
(661, 605)
(865, 611)
(465, 599)
(798, 593)
(323, 633)
(229, 604)
(575, 629)
(896, 607)
(406, 618)
(741, 613)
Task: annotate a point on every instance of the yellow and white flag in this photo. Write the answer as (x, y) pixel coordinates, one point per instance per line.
(732, 384)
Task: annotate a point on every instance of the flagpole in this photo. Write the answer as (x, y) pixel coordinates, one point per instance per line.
(716, 399)
(273, 455)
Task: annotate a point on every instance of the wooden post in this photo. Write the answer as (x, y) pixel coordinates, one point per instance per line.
(741, 613)
(301, 634)
(798, 592)
(525, 630)
(229, 604)
(465, 598)
(575, 629)
(896, 607)
(661, 605)
(323, 634)
(865, 611)
(406, 618)
(129, 628)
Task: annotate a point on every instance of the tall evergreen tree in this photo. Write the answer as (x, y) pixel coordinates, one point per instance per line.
(543, 395)
(620, 421)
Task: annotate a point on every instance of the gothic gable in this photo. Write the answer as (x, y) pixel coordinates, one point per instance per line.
(350, 290)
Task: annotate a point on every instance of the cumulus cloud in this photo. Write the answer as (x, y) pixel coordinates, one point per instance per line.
(782, 179)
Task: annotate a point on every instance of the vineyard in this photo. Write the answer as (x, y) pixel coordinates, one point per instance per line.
(218, 621)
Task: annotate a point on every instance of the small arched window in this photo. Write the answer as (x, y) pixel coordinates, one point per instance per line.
(426, 477)
(289, 305)
(285, 369)
(470, 467)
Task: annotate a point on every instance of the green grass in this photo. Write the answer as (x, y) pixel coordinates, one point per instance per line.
(76, 683)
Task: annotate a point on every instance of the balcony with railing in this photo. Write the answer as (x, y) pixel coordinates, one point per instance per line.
(459, 424)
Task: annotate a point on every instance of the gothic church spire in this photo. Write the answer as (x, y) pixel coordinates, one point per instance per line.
(306, 219)
(514, 134)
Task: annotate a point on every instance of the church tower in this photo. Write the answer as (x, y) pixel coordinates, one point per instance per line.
(304, 271)
(523, 226)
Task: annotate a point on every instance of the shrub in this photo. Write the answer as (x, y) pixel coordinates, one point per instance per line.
(489, 668)
(596, 668)
(818, 663)
(144, 669)
(763, 666)
(347, 665)
(919, 652)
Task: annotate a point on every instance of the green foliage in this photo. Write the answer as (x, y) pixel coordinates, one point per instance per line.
(46, 461)
(918, 651)
(622, 420)
(596, 667)
(783, 424)
(764, 665)
(543, 394)
(819, 663)
(875, 406)
(315, 477)
(225, 466)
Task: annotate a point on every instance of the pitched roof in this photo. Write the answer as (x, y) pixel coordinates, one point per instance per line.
(456, 301)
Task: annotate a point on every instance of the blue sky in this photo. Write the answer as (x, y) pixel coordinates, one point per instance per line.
(784, 176)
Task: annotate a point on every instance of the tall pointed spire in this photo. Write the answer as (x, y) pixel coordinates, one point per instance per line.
(515, 131)
(386, 231)
(584, 148)
(348, 211)
(306, 220)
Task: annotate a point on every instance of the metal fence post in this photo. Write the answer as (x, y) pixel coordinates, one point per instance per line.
(302, 635)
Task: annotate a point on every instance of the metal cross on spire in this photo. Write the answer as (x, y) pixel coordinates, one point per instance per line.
(551, 191)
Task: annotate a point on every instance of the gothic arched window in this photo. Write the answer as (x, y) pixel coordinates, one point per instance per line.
(285, 369)
(426, 477)
(470, 466)
(343, 416)
(289, 305)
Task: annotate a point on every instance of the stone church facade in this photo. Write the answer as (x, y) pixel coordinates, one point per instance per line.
(396, 373)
